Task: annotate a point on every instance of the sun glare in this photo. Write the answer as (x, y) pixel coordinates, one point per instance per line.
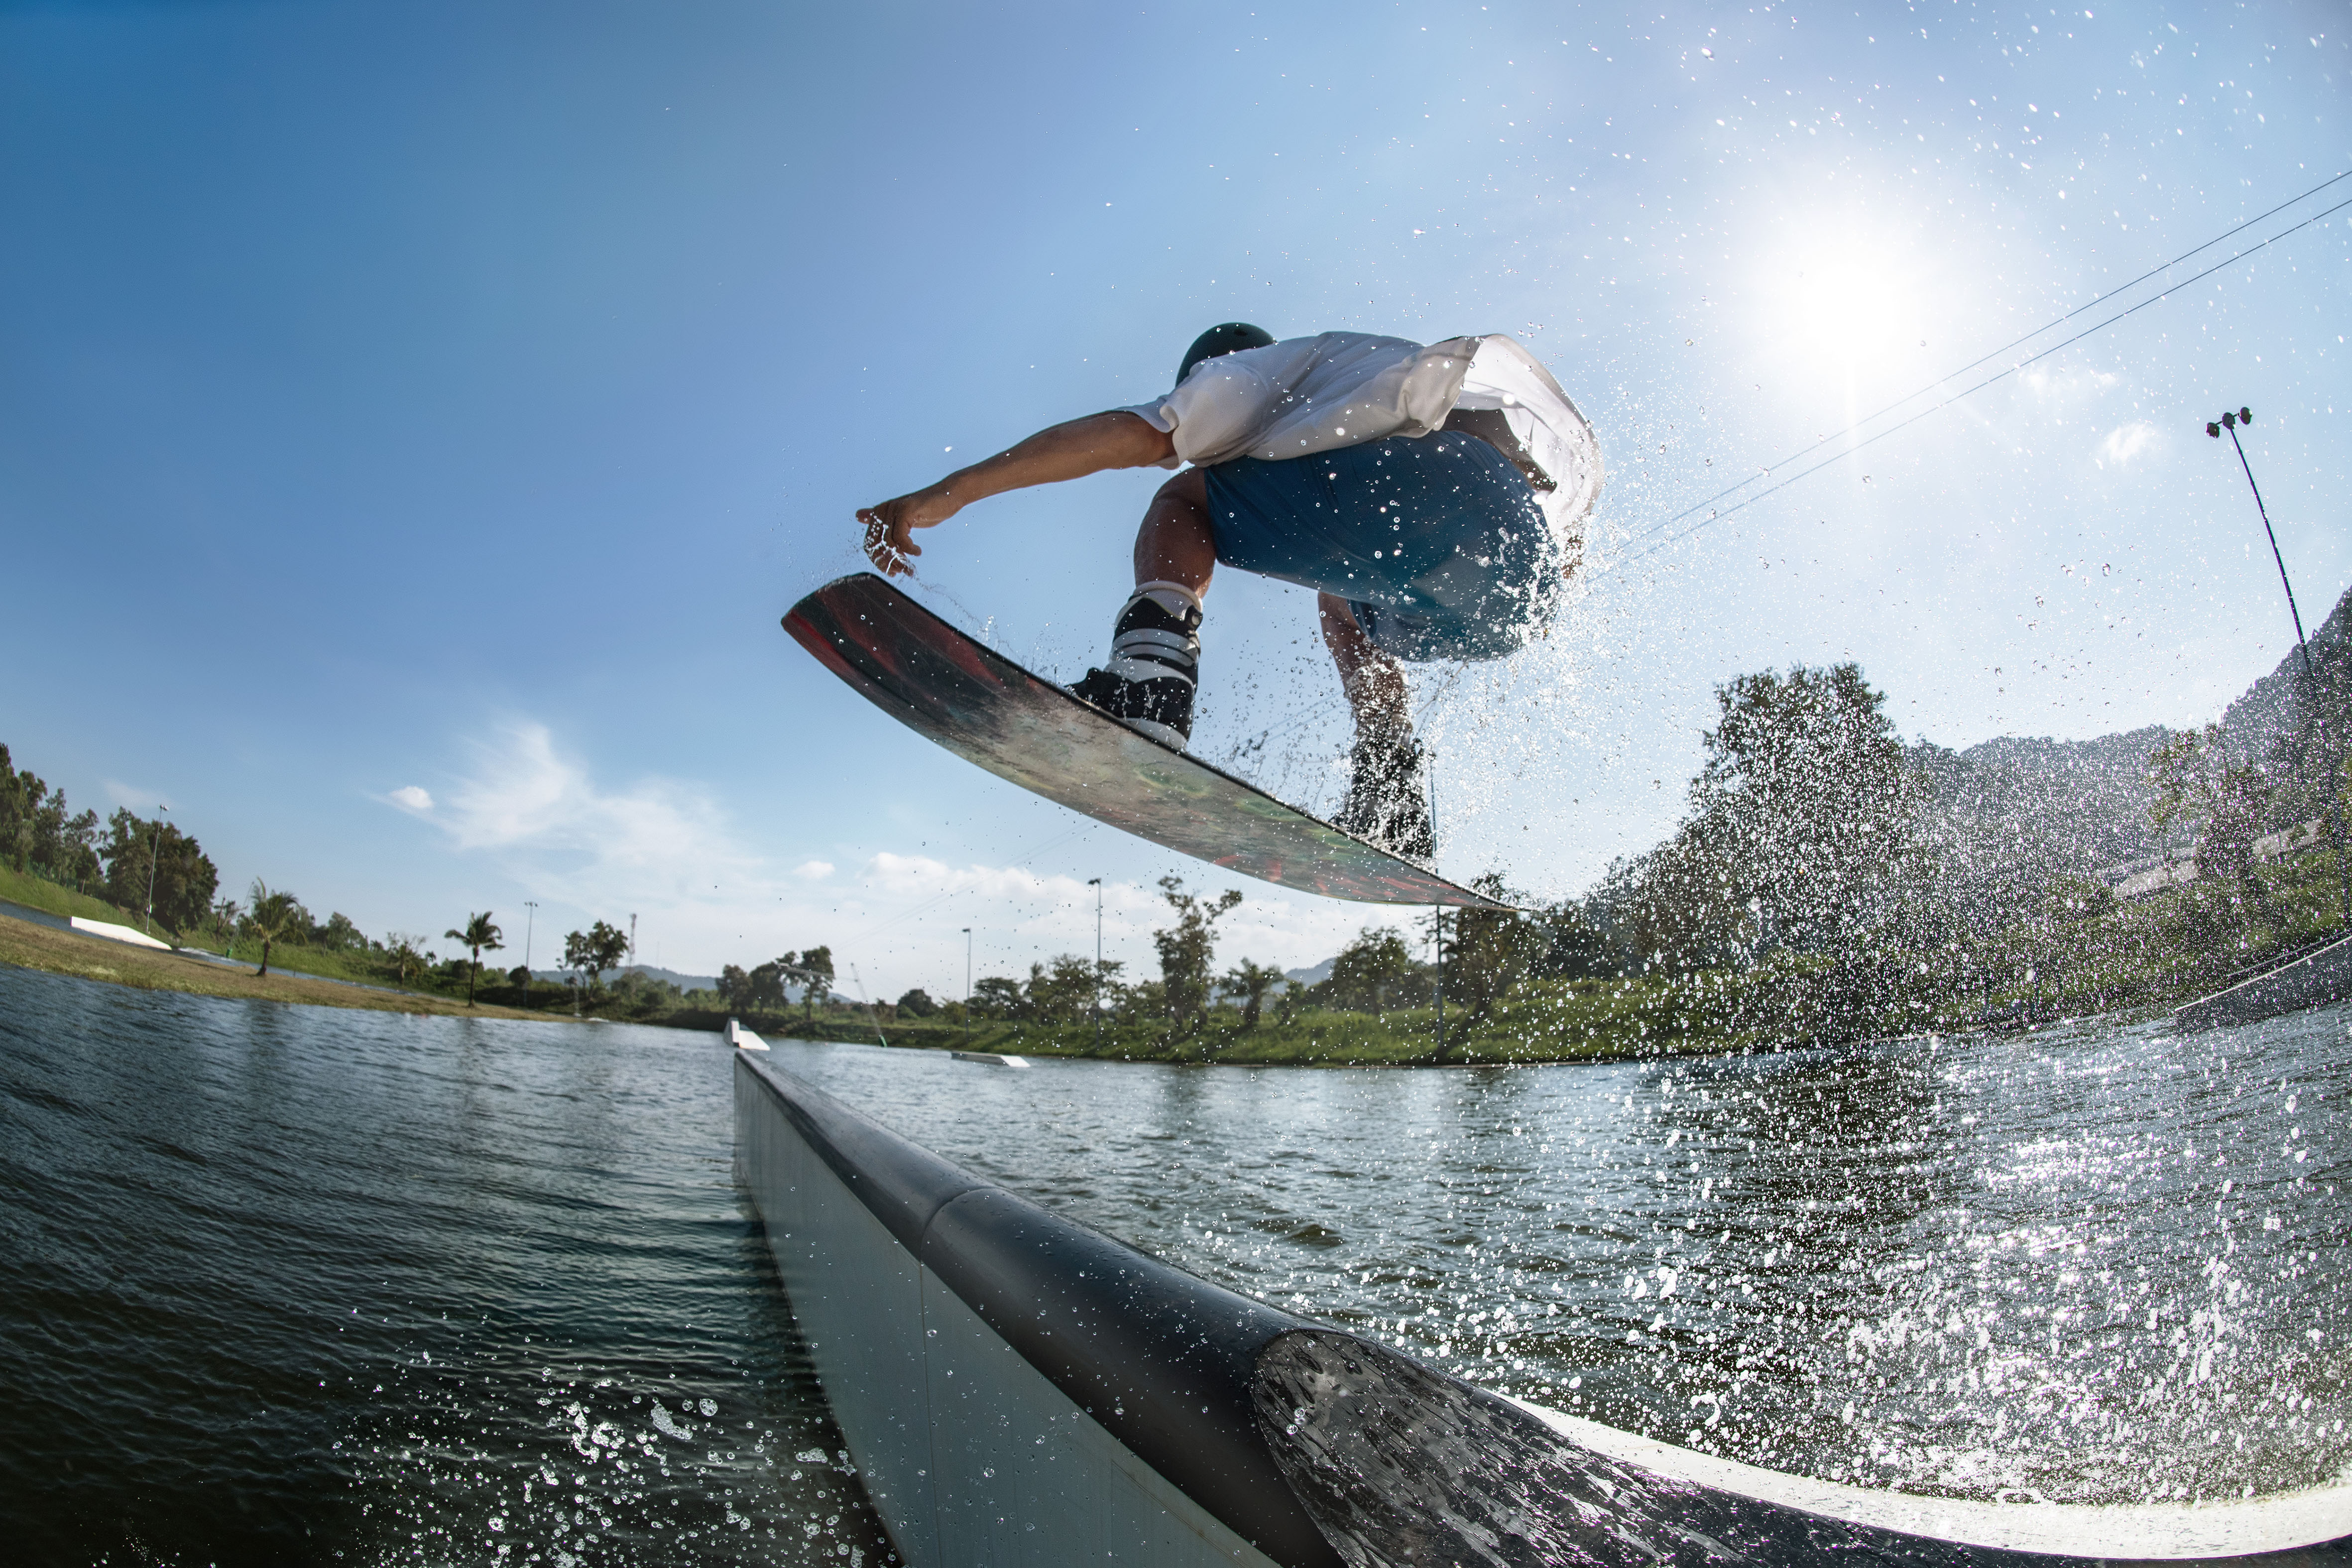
(1847, 305)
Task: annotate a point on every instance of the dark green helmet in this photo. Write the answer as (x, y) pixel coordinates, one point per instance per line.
(1231, 338)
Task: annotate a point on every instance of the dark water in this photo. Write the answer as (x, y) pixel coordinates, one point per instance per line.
(2091, 1264)
(300, 1285)
(295, 1285)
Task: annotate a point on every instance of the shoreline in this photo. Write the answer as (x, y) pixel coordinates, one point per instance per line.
(30, 946)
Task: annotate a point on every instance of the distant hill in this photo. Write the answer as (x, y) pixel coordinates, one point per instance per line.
(651, 972)
(2012, 815)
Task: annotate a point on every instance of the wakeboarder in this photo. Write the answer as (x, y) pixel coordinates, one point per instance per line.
(1434, 497)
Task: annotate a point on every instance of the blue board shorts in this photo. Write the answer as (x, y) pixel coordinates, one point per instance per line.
(1435, 542)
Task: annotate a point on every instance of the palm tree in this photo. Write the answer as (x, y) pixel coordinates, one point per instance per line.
(270, 918)
(479, 935)
(408, 963)
(1248, 983)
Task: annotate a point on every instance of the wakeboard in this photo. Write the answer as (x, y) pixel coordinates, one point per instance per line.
(971, 700)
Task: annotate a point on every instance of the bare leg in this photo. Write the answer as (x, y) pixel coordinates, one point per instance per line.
(1175, 544)
(1373, 682)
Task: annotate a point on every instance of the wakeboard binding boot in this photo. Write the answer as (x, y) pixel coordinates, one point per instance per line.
(1154, 666)
(1388, 793)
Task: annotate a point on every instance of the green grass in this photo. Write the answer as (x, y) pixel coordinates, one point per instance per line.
(37, 892)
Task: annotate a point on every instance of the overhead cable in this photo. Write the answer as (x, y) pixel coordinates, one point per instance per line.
(2011, 370)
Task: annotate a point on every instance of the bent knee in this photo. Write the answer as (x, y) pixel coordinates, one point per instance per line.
(1189, 487)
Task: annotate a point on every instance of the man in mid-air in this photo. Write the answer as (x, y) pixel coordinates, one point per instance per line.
(1434, 498)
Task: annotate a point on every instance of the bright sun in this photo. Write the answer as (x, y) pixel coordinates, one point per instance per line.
(1847, 306)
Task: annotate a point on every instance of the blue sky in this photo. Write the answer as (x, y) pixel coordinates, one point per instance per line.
(441, 401)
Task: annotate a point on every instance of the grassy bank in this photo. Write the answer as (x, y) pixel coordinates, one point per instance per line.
(32, 946)
(40, 893)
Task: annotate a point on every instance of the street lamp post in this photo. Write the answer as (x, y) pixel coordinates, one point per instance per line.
(2231, 422)
(1096, 883)
(529, 920)
(967, 985)
(154, 850)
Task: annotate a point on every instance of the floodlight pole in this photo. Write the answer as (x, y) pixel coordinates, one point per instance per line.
(529, 920)
(967, 985)
(1096, 883)
(2231, 422)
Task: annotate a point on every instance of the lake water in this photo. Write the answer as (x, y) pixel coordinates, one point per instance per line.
(302, 1285)
(2088, 1265)
(285, 1284)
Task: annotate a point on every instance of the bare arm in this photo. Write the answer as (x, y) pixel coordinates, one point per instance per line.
(1070, 451)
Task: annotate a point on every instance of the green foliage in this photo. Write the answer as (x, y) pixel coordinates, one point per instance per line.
(409, 962)
(477, 936)
(1248, 983)
(1489, 950)
(140, 855)
(1801, 831)
(1187, 948)
(38, 834)
(1375, 972)
(2197, 783)
(812, 971)
(917, 1004)
(596, 950)
(270, 917)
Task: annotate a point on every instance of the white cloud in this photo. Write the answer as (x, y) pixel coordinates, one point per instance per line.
(142, 801)
(2126, 442)
(2067, 381)
(707, 894)
(659, 849)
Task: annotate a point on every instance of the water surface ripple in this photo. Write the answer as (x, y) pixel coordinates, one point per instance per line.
(304, 1285)
(2090, 1264)
(293, 1284)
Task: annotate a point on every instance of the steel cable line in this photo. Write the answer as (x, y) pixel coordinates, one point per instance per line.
(1996, 354)
(1946, 402)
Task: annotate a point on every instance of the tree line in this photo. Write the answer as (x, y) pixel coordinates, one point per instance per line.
(119, 859)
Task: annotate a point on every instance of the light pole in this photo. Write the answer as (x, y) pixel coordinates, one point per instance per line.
(2231, 422)
(1096, 883)
(529, 920)
(967, 985)
(154, 850)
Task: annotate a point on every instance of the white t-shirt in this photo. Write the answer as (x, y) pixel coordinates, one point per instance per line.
(1305, 395)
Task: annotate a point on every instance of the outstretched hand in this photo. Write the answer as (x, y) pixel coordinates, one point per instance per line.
(1118, 439)
(890, 526)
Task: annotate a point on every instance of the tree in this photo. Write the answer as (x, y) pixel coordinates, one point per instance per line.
(2197, 783)
(268, 917)
(1248, 983)
(1801, 830)
(410, 962)
(596, 950)
(1374, 973)
(1187, 947)
(140, 854)
(1489, 950)
(22, 796)
(1067, 990)
(917, 1004)
(998, 997)
(478, 937)
(813, 972)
